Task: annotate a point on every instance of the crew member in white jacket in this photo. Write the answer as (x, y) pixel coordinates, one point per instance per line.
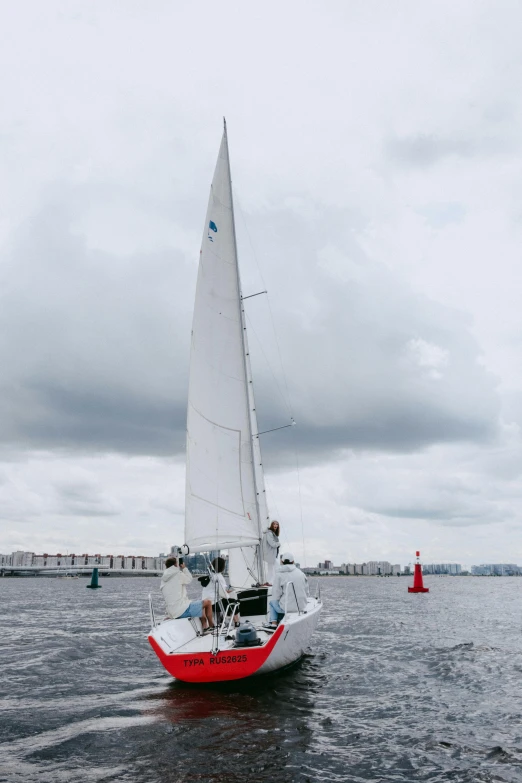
(293, 596)
(174, 589)
(270, 548)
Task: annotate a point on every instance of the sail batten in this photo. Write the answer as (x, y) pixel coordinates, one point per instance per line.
(221, 501)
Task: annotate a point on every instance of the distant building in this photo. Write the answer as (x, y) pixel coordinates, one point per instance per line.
(379, 568)
(326, 566)
(442, 568)
(371, 568)
(72, 561)
(22, 558)
(496, 569)
(319, 571)
(199, 563)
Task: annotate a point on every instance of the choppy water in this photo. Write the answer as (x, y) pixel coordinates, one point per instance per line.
(396, 687)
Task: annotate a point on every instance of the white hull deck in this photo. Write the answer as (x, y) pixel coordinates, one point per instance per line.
(192, 657)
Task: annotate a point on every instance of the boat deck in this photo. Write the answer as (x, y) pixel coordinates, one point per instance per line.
(189, 655)
(193, 641)
(184, 636)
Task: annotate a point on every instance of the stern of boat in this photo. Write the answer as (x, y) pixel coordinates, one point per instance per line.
(191, 656)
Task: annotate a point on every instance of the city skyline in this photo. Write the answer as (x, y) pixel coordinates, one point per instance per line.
(26, 558)
(310, 557)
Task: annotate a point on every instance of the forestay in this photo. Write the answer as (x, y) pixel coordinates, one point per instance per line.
(222, 507)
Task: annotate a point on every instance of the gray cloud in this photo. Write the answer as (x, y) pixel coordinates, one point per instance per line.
(420, 150)
(425, 149)
(370, 364)
(99, 359)
(83, 498)
(102, 419)
(90, 345)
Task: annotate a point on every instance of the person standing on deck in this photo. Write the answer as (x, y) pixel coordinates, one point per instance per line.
(270, 549)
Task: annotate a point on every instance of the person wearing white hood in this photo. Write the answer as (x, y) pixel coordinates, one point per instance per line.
(174, 589)
(293, 596)
(270, 549)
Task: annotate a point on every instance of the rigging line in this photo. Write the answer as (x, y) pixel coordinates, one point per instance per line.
(274, 429)
(286, 401)
(215, 630)
(244, 344)
(300, 501)
(254, 577)
(280, 359)
(238, 205)
(211, 572)
(272, 501)
(184, 643)
(285, 380)
(251, 330)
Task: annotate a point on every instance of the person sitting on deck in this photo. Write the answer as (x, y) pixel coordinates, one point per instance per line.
(174, 589)
(292, 596)
(216, 590)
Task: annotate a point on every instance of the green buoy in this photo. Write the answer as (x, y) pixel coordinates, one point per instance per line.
(94, 580)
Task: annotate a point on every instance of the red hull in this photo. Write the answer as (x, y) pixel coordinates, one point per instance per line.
(205, 667)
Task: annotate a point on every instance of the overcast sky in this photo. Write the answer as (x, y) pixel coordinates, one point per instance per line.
(376, 159)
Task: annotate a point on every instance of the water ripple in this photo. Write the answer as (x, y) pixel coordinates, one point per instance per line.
(396, 688)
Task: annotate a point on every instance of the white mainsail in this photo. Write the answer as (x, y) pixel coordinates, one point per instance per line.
(225, 505)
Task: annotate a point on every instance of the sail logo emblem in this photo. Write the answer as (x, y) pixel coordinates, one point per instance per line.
(212, 226)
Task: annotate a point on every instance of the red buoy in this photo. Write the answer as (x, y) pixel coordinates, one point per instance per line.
(418, 584)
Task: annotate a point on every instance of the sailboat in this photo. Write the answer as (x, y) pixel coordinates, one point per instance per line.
(225, 497)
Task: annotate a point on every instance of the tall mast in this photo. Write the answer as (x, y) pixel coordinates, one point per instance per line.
(246, 364)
